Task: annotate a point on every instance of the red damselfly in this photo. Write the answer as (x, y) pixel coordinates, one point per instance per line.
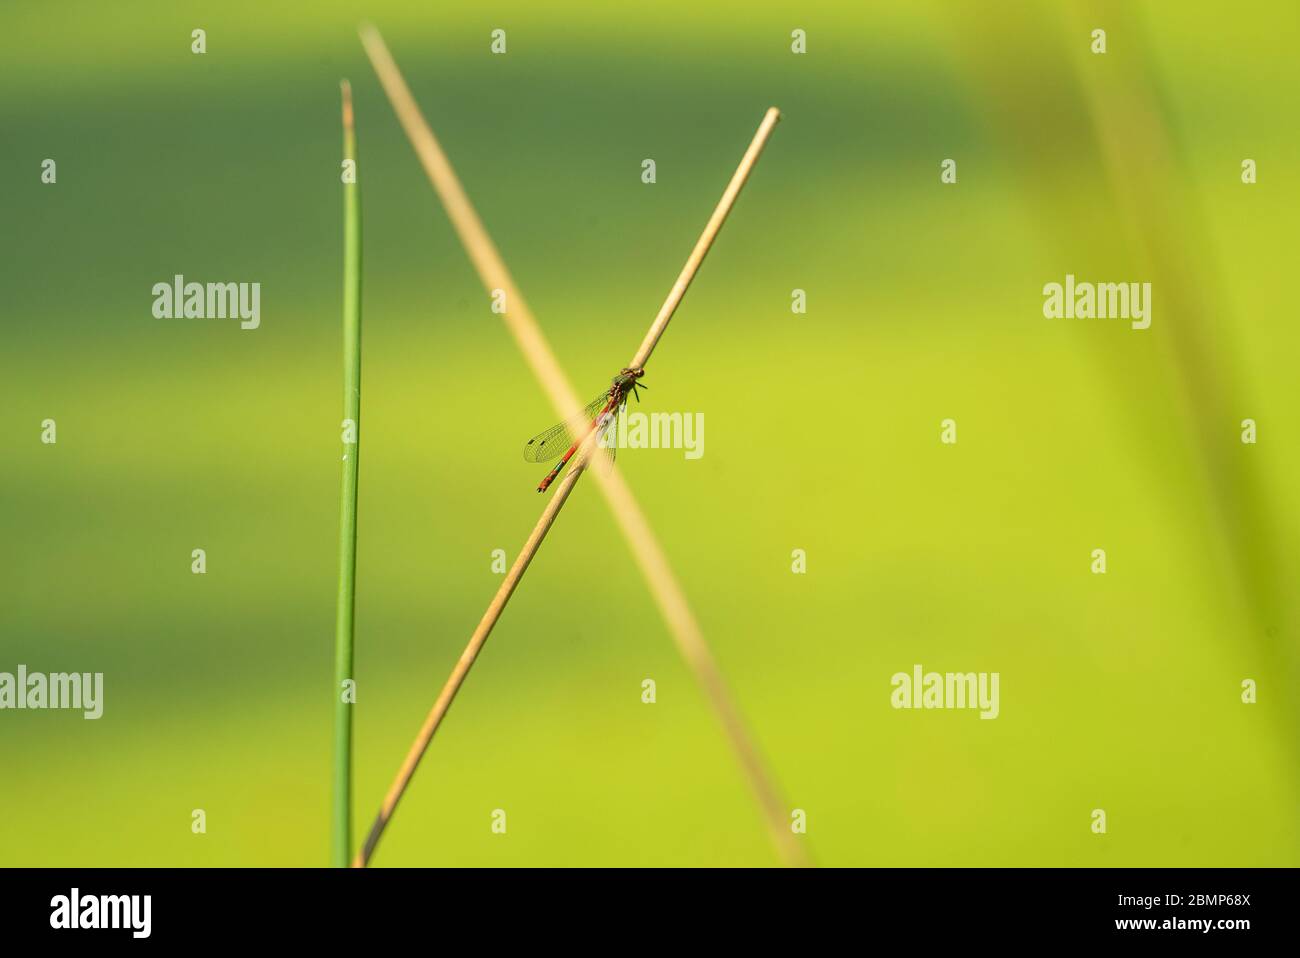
(600, 414)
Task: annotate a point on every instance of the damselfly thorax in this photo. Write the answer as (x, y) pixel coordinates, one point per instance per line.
(601, 414)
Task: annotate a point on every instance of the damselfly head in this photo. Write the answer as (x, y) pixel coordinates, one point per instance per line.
(626, 381)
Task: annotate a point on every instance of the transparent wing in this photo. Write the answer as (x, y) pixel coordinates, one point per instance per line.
(556, 441)
(607, 440)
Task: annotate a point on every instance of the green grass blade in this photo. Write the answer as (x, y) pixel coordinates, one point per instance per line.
(344, 692)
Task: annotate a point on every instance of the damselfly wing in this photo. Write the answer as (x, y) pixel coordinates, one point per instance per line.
(556, 441)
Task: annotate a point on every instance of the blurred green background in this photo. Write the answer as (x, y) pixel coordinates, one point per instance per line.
(1119, 691)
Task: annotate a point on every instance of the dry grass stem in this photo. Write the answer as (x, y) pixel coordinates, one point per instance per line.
(646, 550)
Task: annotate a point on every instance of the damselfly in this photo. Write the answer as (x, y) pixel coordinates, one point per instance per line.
(601, 414)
